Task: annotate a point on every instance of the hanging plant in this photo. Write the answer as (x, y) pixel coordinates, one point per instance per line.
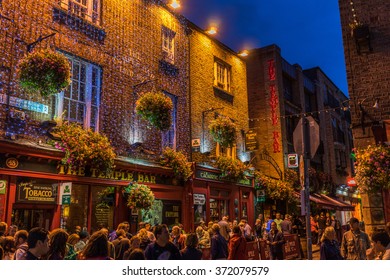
(274, 189)
(45, 71)
(84, 147)
(223, 130)
(232, 169)
(372, 168)
(156, 108)
(140, 197)
(178, 162)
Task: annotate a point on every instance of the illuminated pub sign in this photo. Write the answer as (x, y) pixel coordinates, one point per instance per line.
(34, 191)
(212, 176)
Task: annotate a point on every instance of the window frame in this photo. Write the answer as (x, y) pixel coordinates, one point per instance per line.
(168, 44)
(93, 9)
(224, 71)
(166, 135)
(89, 86)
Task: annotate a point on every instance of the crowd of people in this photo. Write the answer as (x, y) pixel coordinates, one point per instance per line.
(223, 240)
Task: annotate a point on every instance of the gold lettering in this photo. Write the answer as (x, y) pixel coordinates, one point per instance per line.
(140, 178)
(146, 179)
(93, 172)
(27, 190)
(118, 175)
(130, 176)
(81, 171)
(152, 179)
(101, 175)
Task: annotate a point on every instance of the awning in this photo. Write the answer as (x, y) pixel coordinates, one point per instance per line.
(326, 202)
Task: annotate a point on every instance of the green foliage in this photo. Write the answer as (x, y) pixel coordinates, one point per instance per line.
(232, 169)
(156, 108)
(372, 168)
(223, 130)
(45, 72)
(274, 189)
(178, 162)
(84, 147)
(140, 197)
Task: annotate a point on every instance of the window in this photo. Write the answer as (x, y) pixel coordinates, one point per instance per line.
(85, 9)
(80, 101)
(222, 75)
(288, 88)
(169, 137)
(168, 45)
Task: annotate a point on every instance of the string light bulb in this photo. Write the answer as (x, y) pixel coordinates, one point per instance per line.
(175, 4)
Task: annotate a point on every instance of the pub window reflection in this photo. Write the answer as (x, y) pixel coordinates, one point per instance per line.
(102, 207)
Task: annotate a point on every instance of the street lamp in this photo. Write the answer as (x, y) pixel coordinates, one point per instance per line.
(175, 4)
(212, 30)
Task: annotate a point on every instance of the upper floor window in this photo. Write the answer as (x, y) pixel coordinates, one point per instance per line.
(168, 44)
(85, 9)
(222, 72)
(80, 101)
(169, 137)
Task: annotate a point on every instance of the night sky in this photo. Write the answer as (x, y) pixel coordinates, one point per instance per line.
(307, 31)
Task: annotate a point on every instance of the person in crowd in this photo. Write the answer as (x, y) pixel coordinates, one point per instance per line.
(336, 224)
(321, 226)
(97, 247)
(21, 244)
(137, 254)
(330, 249)
(1, 253)
(12, 230)
(314, 229)
(275, 240)
(8, 247)
(135, 242)
(381, 242)
(191, 252)
(258, 228)
(328, 219)
(151, 236)
(71, 253)
(268, 227)
(355, 242)
(77, 229)
(3, 230)
(297, 225)
(162, 248)
(387, 228)
(219, 247)
(278, 221)
(84, 236)
(178, 238)
(144, 237)
(210, 228)
(114, 234)
(286, 225)
(203, 238)
(37, 242)
(237, 245)
(224, 227)
(247, 230)
(111, 247)
(57, 244)
(122, 247)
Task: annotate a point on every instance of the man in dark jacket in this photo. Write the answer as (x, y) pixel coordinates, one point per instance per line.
(219, 248)
(275, 240)
(162, 248)
(237, 245)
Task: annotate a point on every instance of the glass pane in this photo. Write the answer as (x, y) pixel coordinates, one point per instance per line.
(94, 76)
(83, 73)
(67, 91)
(76, 70)
(80, 113)
(73, 110)
(93, 116)
(66, 108)
(82, 92)
(94, 96)
(75, 90)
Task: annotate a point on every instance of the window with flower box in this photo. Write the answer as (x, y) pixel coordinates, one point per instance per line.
(222, 75)
(80, 101)
(88, 10)
(168, 44)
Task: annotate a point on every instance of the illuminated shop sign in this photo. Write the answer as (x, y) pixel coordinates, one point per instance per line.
(34, 192)
(201, 174)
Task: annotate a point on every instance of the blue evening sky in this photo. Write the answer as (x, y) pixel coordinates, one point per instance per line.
(307, 31)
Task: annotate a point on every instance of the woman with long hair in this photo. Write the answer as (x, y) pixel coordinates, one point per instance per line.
(96, 248)
(330, 249)
(57, 244)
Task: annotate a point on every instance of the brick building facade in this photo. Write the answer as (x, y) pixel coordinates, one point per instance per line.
(118, 50)
(367, 56)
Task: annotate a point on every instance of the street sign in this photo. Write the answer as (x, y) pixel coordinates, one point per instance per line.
(314, 132)
(251, 141)
(351, 182)
(65, 200)
(292, 160)
(260, 195)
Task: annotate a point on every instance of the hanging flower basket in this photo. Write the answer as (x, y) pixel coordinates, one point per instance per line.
(178, 162)
(223, 130)
(156, 108)
(274, 189)
(140, 197)
(45, 72)
(84, 147)
(372, 168)
(232, 169)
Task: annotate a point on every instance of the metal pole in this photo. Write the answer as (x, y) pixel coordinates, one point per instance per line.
(306, 158)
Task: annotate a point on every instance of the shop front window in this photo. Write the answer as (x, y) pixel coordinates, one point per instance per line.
(218, 209)
(102, 207)
(199, 209)
(163, 212)
(76, 213)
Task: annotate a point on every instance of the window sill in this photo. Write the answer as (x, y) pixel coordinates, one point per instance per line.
(74, 22)
(168, 68)
(224, 95)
